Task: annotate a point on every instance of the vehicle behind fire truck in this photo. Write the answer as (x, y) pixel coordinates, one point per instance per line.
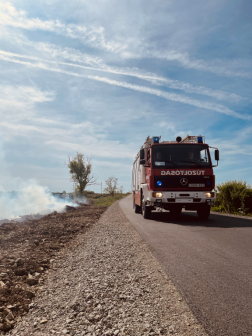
(172, 175)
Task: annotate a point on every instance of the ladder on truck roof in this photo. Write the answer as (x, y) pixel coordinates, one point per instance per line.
(191, 139)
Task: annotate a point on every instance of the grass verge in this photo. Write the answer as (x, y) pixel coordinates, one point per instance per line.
(221, 209)
(106, 200)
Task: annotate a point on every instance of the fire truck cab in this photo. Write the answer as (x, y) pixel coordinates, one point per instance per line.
(172, 175)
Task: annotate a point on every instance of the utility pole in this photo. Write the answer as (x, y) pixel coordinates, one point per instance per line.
(101, 187)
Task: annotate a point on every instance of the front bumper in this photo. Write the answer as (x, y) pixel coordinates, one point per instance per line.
(179, 197)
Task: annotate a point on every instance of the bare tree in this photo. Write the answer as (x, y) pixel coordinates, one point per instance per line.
(111, 183)
(81, 169)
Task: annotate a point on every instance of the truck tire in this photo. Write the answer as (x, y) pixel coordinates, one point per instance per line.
(136, 207)
(204, 211)
(146, 210)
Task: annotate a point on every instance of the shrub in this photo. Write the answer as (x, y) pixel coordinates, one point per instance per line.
(234, 197)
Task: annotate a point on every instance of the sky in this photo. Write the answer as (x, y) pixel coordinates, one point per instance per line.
(98, 77)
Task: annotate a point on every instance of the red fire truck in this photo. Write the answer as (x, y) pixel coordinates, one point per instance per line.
(172, 175)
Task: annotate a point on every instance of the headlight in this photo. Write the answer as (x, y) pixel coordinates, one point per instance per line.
(209, 194)
(157, 194)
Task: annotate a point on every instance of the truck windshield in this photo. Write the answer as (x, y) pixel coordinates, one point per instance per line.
(180, 156)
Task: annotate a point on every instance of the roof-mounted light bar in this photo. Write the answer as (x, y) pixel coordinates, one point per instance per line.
(200, 139)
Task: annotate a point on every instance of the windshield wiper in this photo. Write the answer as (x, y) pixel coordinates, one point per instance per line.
(192, 162)
(172, 163)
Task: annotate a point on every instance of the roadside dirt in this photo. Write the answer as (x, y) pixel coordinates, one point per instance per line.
(26, 251)
(105, 282)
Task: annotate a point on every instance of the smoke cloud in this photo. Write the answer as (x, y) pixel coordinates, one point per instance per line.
(30, 199)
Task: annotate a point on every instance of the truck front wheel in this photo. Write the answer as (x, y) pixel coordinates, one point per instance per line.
(204, 211)
(146, 210)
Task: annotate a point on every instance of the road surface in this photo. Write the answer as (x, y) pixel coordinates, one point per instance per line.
(210, 262)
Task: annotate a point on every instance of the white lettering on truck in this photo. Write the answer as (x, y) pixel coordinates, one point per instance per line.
(183, 172)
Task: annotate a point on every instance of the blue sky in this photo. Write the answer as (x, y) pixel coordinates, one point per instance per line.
(98, 77)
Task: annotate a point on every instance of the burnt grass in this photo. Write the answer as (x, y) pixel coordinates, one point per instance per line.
(27, 249)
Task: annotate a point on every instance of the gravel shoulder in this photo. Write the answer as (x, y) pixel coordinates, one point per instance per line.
(107, 283)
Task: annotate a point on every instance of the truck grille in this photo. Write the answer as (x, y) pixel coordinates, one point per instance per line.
(182, 182)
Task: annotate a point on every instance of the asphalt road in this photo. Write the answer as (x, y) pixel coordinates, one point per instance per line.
(210, 262)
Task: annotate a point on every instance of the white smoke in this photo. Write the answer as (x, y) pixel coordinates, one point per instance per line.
(31, 198)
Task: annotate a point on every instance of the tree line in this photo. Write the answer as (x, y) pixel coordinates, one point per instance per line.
(81, 174)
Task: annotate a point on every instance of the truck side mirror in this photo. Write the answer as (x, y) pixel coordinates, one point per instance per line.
(142, 154)
(142, 161)
(217, 155)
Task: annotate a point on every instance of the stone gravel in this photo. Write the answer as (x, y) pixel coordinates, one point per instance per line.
(107, 283)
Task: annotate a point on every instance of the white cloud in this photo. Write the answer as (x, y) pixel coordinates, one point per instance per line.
(237, 144)
(60, 139)
(174, 97)
(92, 35)
(112, 164)
(187, 87)
(220, 67)
(57, 52)
(85, 137)
(19, 101)
(59, 130)
(166, 95)
(126, 47)
(97, 65)
(91, 145)
(31, 93)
